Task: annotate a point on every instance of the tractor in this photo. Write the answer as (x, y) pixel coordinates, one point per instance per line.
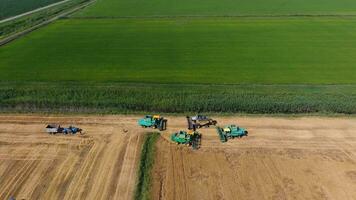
(200, 121)
(191, 138)
(153, 121)
(230, 131)
(53, 129)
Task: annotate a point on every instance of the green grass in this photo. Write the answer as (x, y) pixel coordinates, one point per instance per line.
(25, 22)
(113, 98)
(211, 51)
(119, 8)
(142, 191)
(186, 64)
(10, 8)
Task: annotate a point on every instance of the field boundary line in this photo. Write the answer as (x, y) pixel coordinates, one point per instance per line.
(219, 16)
(33, 28)
(33, 11)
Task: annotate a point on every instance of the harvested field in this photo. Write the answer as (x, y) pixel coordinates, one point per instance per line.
(101, 164)
(303, 158)
(282, 158)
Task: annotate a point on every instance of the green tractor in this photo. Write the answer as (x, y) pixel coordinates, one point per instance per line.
(153, 121)
(192, 138)
(230, 131)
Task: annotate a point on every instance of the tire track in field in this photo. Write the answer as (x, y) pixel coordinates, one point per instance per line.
(80, 187)
(14, 183)
(127, 180)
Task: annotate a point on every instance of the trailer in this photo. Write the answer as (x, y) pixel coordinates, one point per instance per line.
(200, 121)
(54, 129)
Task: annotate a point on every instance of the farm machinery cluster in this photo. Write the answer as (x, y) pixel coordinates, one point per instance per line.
(192, 137)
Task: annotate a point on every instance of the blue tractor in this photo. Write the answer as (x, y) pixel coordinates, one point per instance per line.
(53, 129)
(153, 121)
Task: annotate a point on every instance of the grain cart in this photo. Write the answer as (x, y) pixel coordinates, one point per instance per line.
(191, 138)
(153, 121)
(53, 129)
(230, 131)
(200, 121)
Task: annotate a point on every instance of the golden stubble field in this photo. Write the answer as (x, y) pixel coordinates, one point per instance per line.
(100, 164)
(282, 158)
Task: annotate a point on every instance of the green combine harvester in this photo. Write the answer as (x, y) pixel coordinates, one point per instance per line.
(192, 138)
(230, 131)
(153, 121)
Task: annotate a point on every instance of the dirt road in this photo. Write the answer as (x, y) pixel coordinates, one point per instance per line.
(101, 164)
(291, 158)
(303, 158)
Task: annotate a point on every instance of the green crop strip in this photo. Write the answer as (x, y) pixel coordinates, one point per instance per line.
(146, 164)
(115, 98)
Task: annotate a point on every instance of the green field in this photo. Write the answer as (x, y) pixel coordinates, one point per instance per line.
(120, 56)
(119, 8)
(222, 51)
(10, 8)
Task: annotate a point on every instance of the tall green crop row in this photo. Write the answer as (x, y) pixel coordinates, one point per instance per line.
(146, 163)
(125, 98)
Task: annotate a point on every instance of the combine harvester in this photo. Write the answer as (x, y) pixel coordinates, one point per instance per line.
(230, 131)
(54, 129)
(200, 121)
(153, 121)
(191, 138)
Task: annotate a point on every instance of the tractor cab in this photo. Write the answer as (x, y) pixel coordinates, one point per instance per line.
(156, 117)
(231, 128)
